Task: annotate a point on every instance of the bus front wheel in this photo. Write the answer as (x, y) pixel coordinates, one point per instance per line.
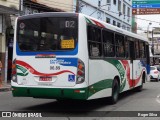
(115, 92)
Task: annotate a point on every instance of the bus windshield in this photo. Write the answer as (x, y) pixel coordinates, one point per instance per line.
(47, 34)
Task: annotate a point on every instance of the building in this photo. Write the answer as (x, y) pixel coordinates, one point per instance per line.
(64, 5)
(115, 12)
(8, 12)
(153, 36)
(39, 6)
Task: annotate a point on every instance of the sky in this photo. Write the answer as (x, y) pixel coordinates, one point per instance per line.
(154, 19)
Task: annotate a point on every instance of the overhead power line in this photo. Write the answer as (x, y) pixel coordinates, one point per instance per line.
(41, 8)
(61, 3)
(67, 6)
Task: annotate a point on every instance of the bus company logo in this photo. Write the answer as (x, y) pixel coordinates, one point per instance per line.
(6, 114)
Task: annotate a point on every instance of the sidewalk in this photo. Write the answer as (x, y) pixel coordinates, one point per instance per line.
(5, 87)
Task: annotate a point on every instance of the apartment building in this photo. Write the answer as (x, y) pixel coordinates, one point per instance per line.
(8, 11)
(115, 12)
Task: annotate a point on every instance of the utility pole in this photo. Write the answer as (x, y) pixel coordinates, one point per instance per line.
(148, 30)
(77, 6)
(152, 48)
(20, 7)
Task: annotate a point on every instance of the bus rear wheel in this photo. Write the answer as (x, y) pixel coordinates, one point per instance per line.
(115, 92)
(140, 88)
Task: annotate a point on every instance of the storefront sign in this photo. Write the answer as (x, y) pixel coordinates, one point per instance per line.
(145, 11)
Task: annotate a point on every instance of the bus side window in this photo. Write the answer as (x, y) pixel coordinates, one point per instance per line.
(108, 43)
(119, 40)
(132, 50)
(142, 50)
(94, 41)
(137, 49)
(127, 49)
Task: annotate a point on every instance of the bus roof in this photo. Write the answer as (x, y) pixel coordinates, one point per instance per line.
(48, 14)
(70, 14)
(116, 29)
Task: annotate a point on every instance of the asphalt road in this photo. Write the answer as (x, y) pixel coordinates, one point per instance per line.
(132, 103)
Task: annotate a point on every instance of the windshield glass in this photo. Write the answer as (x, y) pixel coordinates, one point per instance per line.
(47, 34)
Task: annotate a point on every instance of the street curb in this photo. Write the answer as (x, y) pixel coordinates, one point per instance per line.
(5, 89)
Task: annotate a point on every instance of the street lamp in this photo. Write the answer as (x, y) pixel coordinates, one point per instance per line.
(148, 29)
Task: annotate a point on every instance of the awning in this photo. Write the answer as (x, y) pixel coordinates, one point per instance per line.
(39, 6)
(7, 10)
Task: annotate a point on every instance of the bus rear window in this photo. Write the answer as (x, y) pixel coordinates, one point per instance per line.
(47, 34)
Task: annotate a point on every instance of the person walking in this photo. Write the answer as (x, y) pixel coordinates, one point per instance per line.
(0, 74)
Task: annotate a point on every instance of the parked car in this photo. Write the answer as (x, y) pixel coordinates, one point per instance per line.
(155, 73)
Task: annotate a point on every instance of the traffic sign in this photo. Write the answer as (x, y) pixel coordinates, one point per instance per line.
(146, 6)
(145, 11)
(146, 2)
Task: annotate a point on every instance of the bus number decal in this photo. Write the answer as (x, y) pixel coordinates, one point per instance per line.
(70, 24)
(55, 67)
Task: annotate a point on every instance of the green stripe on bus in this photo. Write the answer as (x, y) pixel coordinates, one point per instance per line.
(101, 85)
(89, 21)
(60, 93)
(52, 93)
(21, 68)
(121, 71)
(22, 74)
(23, 71)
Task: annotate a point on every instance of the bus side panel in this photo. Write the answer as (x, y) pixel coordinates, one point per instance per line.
(101, 75)
(138, 70)
(127, 77)
(83, 48)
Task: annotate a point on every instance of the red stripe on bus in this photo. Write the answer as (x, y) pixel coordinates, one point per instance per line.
(98, 24)
(132, 82)
(33, 71)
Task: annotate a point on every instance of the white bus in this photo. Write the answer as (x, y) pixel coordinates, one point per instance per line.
(74, 56)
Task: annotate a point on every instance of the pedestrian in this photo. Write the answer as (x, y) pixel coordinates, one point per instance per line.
(9, 69)
(0, 74)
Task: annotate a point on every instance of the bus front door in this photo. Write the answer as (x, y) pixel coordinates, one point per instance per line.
(132, 59)
(137, 66)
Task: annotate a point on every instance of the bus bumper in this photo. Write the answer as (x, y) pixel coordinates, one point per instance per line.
(53, 93)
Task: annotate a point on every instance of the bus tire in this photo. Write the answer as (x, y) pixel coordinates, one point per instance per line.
(140, 88)
(115, 91)
(157, 80)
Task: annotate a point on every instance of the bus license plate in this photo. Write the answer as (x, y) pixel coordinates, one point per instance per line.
(45, 79)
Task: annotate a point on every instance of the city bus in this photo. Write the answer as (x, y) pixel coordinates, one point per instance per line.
(74, 56)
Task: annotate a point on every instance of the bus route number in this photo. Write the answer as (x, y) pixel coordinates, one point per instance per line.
(55, 67)
(69, 24)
